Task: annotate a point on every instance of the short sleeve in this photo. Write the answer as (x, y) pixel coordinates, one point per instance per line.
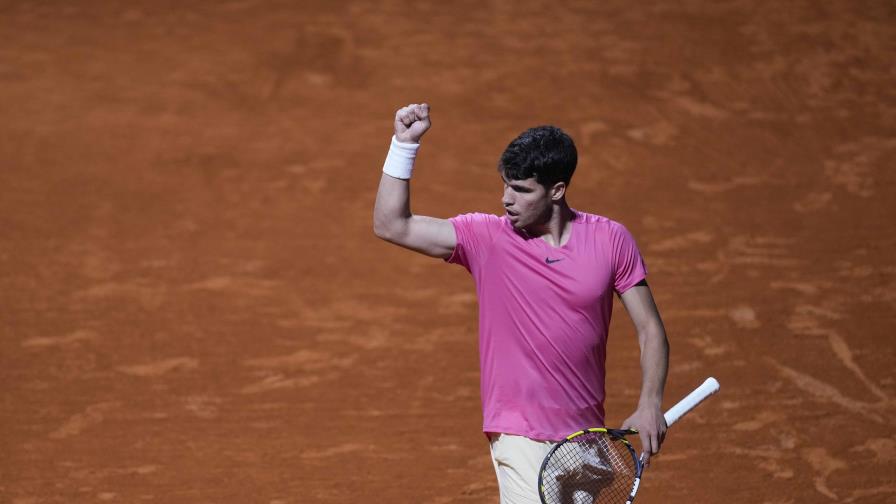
(628, 265)
(475, 234)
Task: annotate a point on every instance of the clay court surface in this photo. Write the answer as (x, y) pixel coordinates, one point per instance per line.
(194, 309)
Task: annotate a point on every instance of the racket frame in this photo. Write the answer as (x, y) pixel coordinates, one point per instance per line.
(616, 435)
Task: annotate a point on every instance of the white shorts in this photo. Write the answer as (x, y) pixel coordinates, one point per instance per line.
(517, 460)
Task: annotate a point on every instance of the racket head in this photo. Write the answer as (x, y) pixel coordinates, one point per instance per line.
(595, 465)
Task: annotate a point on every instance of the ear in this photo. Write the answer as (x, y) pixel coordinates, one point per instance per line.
(558, 191)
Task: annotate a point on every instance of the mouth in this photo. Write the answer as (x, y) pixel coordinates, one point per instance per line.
(511, 213)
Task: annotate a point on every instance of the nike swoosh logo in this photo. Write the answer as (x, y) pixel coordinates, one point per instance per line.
(548, 260)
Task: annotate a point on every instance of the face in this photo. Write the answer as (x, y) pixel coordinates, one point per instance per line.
(526, 202)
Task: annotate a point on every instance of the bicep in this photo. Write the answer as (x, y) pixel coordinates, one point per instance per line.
(641, 307)
(428, 235)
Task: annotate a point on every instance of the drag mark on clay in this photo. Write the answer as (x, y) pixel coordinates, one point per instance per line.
(342, 315)
(303, 359)
(777, 469)
(338, 450)
(884, 449)
(93, 415)
(827, 392)
(762, 419)
(883, 293)
(682, 241)
(751, 251)
(706, 345)
(693, 106)
(761, 250)
(744, 317)
(844, 353)
(102, 473)
(77, 336)
(723, 186)
(769, 460)
(659, 133)
(299, 369)
(806, 319)
(280, 381)
(243, 285)
(149, 295)
(202, 406)
(812, 202)
(850, 269)
(807, 288)
(823, 464)
(864, 493)
(855, 162)
(161, 367)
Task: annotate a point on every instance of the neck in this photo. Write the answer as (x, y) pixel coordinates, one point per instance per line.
(555, 229)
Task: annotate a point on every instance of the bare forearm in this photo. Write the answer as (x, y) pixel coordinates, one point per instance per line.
(654, 364)
(648, 417)
(393, 206)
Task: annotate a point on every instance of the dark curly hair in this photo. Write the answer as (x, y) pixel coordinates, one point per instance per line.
(544, 152)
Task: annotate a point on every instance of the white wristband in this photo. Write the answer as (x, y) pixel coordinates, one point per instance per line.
(400, 160)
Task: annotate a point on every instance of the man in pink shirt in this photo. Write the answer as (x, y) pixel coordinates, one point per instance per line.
(545, 276)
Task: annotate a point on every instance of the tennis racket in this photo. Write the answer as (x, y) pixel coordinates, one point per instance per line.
(599, 465)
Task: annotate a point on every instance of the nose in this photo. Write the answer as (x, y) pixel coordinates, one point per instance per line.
(507, 199)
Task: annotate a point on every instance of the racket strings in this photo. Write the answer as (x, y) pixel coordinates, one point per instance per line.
(587, 469)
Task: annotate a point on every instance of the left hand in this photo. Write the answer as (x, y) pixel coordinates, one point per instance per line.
(651, 427)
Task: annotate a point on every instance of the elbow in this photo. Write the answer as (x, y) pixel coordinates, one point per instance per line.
(379, 223)
(383, 230)
(379, 230)
(392, 230)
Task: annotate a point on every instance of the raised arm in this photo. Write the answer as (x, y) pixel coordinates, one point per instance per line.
(648, 417)
(392, 217)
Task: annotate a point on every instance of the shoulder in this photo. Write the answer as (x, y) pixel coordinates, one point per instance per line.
(599, 223)
(606, 231)
(479, 224)
(478, 220)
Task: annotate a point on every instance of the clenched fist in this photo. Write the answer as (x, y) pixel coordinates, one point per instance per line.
(411, 123)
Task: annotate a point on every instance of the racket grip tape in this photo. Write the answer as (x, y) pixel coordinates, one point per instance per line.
(709, 387)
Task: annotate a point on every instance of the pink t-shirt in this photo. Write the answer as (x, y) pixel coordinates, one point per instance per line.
(544, 312)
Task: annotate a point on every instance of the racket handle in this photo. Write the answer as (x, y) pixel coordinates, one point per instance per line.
(709, 387)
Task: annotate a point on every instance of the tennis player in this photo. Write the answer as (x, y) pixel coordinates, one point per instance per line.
(545, 276)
